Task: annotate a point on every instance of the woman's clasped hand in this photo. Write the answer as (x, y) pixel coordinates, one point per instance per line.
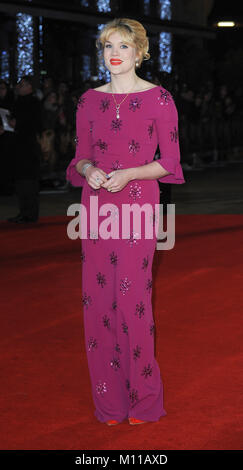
(113, 181)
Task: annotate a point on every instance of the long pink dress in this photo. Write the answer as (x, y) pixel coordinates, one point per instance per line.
(117, 272)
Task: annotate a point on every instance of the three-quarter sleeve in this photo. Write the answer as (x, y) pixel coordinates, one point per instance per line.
(83, 142)
(166, 124)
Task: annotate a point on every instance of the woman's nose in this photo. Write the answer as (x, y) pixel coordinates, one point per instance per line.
(115, 51)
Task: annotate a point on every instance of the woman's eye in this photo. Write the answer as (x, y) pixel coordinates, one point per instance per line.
(123, 46)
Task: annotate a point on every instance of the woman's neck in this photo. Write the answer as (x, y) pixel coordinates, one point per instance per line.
(123, 84)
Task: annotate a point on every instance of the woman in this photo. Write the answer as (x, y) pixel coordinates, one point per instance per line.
(119, 126)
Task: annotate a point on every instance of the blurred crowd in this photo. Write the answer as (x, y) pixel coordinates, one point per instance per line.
(210, 120)
(57, 119)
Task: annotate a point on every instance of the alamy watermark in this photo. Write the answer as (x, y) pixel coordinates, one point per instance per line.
(153, 226)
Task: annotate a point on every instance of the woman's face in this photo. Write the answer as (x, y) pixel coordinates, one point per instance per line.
(119, 56)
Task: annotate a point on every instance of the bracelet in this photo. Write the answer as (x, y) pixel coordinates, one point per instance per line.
(85, 168)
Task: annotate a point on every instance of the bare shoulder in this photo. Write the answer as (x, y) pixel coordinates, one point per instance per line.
(145, 85)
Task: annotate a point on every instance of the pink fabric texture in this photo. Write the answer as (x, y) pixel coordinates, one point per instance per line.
(117, 272)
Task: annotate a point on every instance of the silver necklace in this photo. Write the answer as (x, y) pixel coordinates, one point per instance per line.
(118, 105)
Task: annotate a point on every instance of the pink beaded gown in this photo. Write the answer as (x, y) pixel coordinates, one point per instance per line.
(117, 272)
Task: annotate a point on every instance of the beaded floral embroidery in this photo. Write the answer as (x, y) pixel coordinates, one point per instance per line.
(135, 104)
(104, 104)
(152, 329)
(101, 279)
(116, 165)
(150, 130)
(125, 285)
(115, 363)
(136, 352)
(102, 145)
(133, 395)
(140, 308)
(113, 258)
(117, 348)
(127, 384)
(101, 387)
(116, 125)
(149, 285)
(133, 147)
(135, 191)
(145, 263)
(164, 97)
(92, 343)
(133, 239)
(174, 135)
(125, 328)
(106, 322)
(86, 299)
(147, 371)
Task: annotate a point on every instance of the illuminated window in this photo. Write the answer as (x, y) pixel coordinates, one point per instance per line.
(25, 44)
(165, 39)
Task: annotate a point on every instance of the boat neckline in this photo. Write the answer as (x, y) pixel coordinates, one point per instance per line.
(132, 93)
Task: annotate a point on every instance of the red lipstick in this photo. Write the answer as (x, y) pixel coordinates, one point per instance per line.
(115, 61)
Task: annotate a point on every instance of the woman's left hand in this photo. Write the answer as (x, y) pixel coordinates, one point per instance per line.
(117, 181)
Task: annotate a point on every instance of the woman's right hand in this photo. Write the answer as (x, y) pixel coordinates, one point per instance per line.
(92, 173)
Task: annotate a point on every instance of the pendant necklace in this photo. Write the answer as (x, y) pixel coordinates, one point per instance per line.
(118, 105)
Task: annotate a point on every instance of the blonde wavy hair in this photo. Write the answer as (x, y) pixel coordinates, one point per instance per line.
(132, 32)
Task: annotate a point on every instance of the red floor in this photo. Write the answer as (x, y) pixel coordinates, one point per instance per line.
(46, 398)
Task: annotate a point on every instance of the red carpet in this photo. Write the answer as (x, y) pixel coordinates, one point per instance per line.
(46, 398)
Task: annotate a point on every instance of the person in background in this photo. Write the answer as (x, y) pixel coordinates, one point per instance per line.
(50, 113)
(26, 120)
(6, 141)
(48, 85)
(6, 96)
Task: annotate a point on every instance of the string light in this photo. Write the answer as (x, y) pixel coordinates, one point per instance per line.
(86, 63)
(25, 44)
(146, 7)
(165, 9)
(165, 39)
(4, 65)
(103, 5)
(41, 40)
(103, 72)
